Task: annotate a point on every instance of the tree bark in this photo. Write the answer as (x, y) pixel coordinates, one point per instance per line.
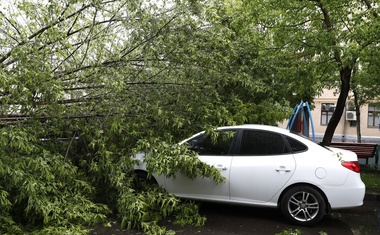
(357, 108)
(345, 76)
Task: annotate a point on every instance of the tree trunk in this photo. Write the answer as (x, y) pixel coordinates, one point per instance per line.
(357, 108)
(345, 75)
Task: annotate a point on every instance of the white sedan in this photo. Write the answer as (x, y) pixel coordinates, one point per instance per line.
(271, 167)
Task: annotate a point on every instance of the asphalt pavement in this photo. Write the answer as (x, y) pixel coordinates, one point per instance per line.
(241, 220)
(363, 220)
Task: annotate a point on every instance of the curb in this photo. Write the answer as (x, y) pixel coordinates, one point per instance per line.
(372, 196)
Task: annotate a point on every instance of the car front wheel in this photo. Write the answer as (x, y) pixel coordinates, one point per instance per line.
(143, 181)
(303, 205)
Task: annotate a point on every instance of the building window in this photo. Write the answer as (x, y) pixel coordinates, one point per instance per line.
(373, 115)
(353, 123)
(327, 111)
(351, 107)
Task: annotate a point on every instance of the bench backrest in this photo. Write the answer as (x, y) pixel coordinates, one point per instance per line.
(363, 150)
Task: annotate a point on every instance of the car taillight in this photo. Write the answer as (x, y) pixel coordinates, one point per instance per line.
(354, 166)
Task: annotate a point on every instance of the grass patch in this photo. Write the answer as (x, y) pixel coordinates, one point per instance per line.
(371, 179)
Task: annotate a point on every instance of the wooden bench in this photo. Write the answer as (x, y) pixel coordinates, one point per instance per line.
(363, 150)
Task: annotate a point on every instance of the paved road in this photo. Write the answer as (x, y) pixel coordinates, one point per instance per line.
(364, 220)
(238, 220)
(226, 220)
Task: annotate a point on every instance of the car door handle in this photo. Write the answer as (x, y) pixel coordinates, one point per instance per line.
(282, 169)
(221, 167)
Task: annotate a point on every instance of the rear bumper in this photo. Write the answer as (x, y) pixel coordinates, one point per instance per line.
(345, 197)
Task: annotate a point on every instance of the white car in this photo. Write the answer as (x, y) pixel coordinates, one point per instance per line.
(271, 167)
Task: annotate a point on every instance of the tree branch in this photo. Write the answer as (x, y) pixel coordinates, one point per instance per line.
(43, 29)
(329, 27)
(149, 38)
(13, 26)
(369, 6)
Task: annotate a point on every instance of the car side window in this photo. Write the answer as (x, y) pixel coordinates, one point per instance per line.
(220, 144)
(256, 142)
(296, 145)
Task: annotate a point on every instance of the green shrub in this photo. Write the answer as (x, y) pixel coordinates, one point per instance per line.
(371, 180)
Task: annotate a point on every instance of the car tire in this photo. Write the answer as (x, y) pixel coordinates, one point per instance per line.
(142, 180)
(303, 205)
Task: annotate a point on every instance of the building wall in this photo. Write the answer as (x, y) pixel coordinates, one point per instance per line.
(345, 131)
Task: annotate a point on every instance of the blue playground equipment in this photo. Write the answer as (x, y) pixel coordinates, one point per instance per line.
(301, 119)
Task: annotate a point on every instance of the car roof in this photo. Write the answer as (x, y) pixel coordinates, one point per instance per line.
(256, 127)
(252, 127)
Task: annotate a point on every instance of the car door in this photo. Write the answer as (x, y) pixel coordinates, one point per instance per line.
(264, 165)
(215, 152)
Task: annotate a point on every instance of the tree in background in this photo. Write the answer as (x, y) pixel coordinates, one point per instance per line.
(365, 84)
(322, 42)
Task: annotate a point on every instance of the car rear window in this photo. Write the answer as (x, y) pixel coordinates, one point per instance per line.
(296, 145)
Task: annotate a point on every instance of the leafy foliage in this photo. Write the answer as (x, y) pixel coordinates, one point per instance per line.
(167, 160)
(85, 83)
(145, 209)
(39, 188)
(321, 47)
(290, 232)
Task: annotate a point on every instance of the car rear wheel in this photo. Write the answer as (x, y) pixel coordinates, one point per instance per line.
(303, 205)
